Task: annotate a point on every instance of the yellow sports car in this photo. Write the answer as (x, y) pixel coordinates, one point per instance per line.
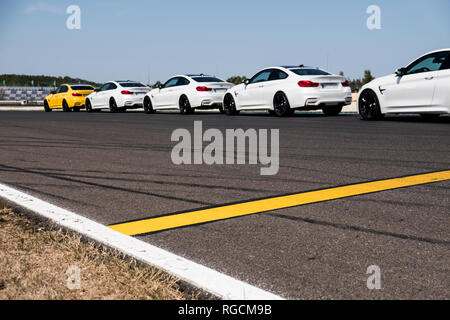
(67, 97)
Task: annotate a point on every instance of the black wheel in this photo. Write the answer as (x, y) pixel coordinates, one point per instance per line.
(369, 106)
(122, 110)
(148, 107)
(46, 107)
(88, 106)
(112, 106)
(271, 112)
(65, 106)
(185, 106)
(221, 109)
(229, 106)
(332, 110)
(281, 105)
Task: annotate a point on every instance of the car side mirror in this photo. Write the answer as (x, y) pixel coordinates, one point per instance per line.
(400, 72)
(246, 82)
(96, 90)
(160, 86)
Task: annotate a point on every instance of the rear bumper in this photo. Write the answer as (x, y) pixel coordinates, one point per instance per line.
(327, 100)
(313, 98)
(211, 103)
(131, 101)
(207, 99)
(77, 102)
(133, 104)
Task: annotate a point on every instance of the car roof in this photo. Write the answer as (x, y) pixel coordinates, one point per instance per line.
(286, 67)
(73, 84)
(120, 82)
(191, 75)
(425, 54)
(440, 50)
(198, 75)
(125, 81)
(290, 69)
(80, 84)
(295, 67)
(431, 52)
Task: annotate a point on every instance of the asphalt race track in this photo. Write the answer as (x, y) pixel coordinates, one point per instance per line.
(117, 167)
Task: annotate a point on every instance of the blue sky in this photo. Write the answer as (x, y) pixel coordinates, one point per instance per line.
(152, 40)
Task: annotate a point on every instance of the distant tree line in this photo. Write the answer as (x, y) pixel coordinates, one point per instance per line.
(18, 80)
(155, 85)
(356, 84)
(237, 79)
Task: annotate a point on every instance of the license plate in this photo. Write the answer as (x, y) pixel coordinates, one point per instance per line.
(138, 93)
(220, 90)
(328, 85)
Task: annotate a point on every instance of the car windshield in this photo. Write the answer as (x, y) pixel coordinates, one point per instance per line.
(132, 84)
(82, 88)
(310, 72)
(207, 79)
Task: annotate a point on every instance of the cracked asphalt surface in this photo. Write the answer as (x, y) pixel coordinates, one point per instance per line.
(117, 167)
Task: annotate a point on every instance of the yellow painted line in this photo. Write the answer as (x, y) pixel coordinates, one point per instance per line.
(257, 206)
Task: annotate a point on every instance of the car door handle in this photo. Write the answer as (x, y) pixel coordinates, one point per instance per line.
(261, 86)
(429, 78)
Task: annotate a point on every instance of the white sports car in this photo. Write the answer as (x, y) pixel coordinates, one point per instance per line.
(187, 93)
(421, 87)
(117, 96)
(281, 90)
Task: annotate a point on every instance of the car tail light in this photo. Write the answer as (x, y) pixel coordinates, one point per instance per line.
(308, 84)
(76, 94)
(203, 89)
(346, 83)
(126, 92)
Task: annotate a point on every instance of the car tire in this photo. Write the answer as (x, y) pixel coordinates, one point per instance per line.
(229, 106)
(88, 106)
(281, 105)
(369, 106)
(113, 106)
(221, 110)
(148, 107)
(65, 106)
(46, 107)
(185, 106)
(332, 110)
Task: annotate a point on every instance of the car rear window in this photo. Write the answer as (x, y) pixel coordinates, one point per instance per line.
(310, 72)
(82, 88)
(132, 84)
(207, 79)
